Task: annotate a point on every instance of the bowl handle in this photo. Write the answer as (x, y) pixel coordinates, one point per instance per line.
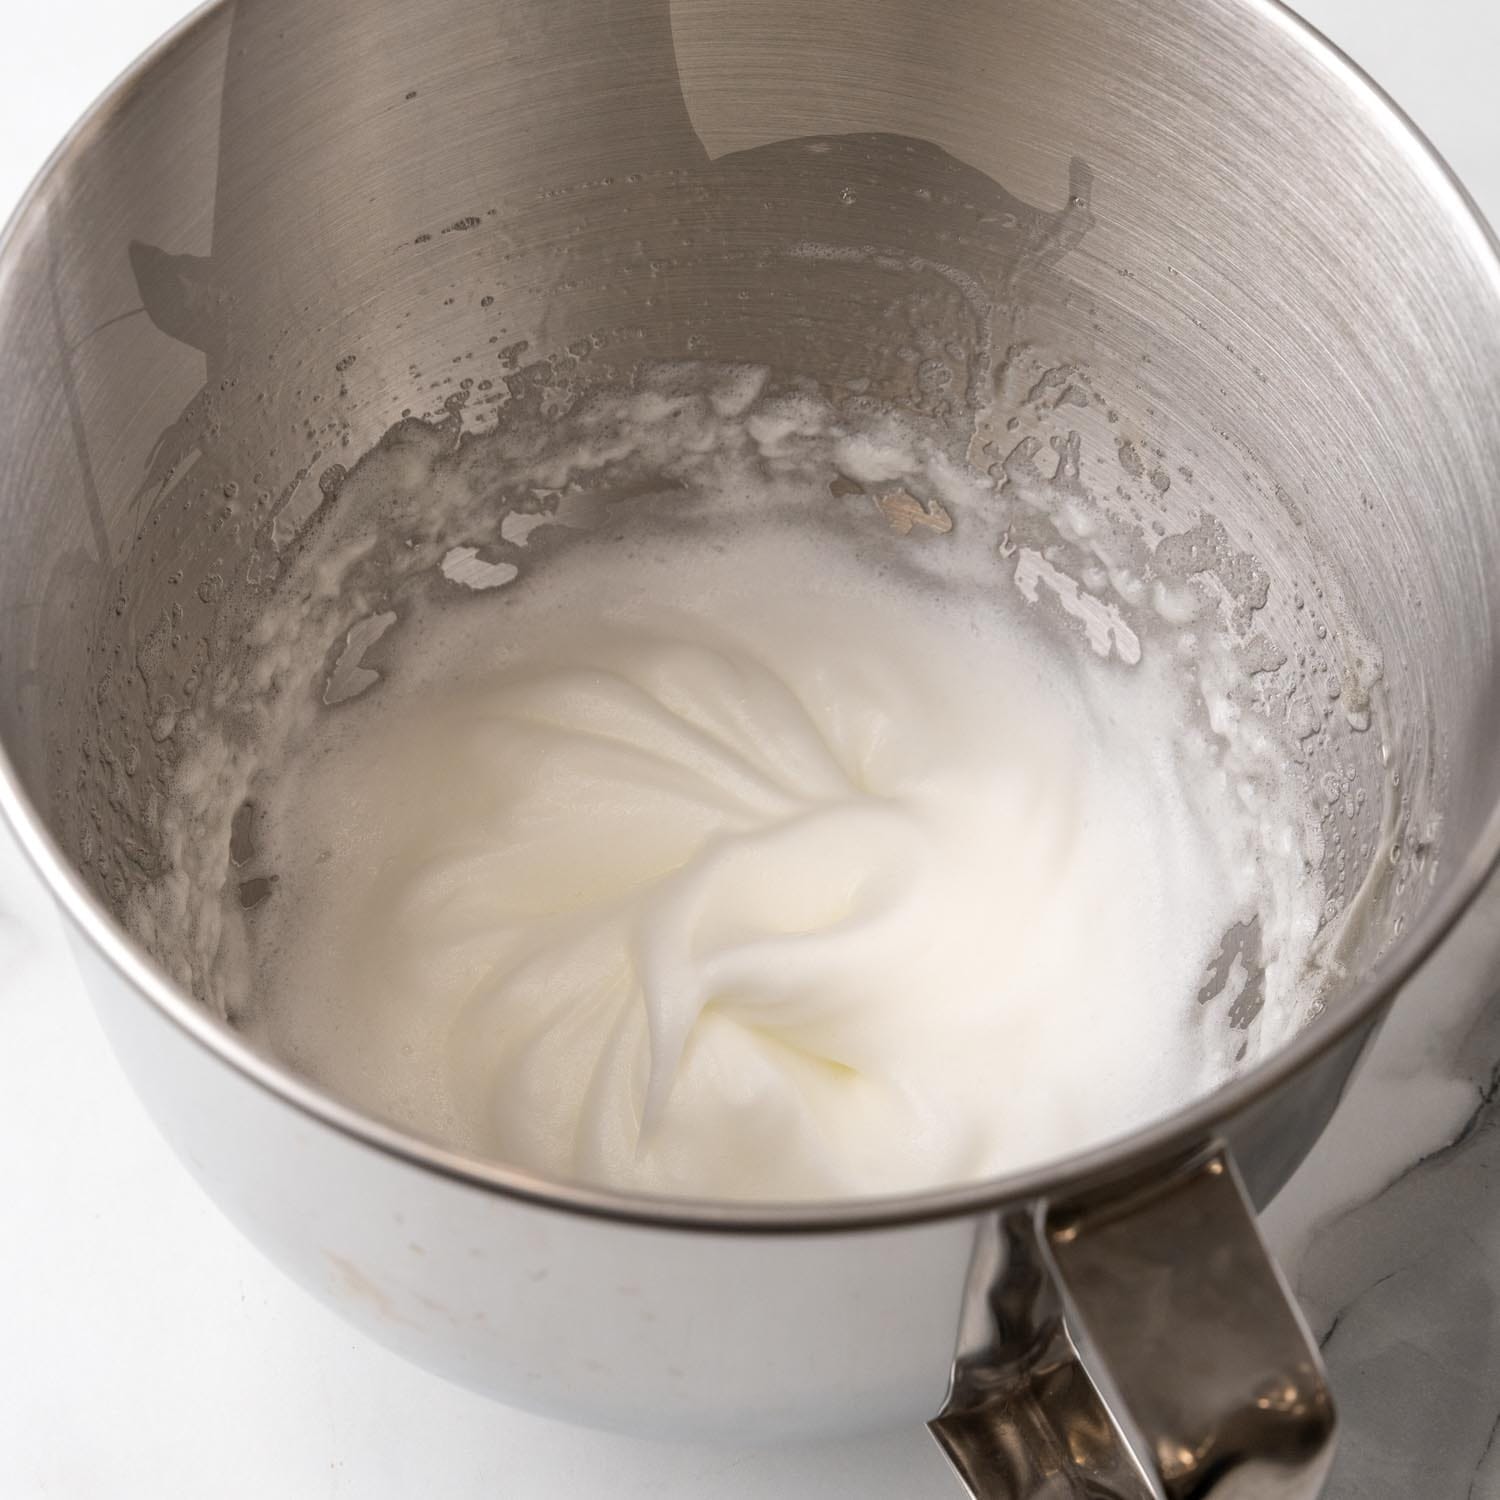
(1136, 1345)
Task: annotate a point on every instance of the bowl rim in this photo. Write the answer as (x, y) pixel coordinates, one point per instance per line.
(1166, 1137)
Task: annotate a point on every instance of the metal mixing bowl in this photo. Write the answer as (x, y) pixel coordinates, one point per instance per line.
(1185, 233)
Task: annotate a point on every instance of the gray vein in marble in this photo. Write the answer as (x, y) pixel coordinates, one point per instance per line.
(1404, 1293)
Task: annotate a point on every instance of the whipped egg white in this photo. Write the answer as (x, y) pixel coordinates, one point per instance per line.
(700, 847)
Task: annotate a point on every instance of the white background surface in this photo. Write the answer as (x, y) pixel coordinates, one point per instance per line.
(145, 1350)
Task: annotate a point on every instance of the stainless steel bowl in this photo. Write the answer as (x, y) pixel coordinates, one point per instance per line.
(292, 223)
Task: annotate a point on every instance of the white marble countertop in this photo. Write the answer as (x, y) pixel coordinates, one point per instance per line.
(146, 1350)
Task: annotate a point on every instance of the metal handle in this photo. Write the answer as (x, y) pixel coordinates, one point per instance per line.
(1133, 1347)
